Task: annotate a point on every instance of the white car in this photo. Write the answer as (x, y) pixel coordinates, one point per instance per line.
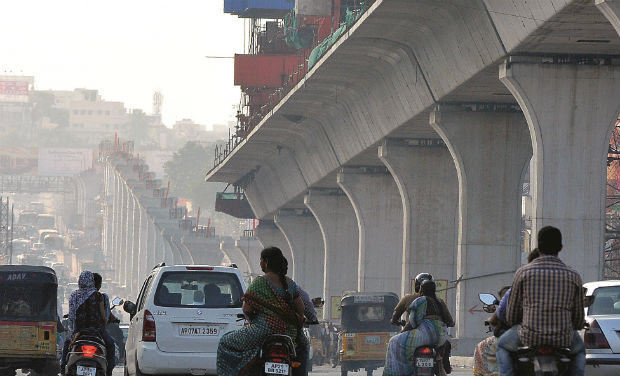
(179, 317)
(602, 338)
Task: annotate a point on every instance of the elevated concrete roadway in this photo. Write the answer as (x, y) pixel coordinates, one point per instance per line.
(487, 82)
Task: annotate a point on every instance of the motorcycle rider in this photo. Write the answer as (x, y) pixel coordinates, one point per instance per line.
(405, 303)
(545, 307)
(111, 321)
(407, 299)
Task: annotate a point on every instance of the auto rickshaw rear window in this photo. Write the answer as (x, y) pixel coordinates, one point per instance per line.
(27, 302)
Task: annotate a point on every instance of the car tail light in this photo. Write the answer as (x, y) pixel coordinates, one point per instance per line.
(199, 268)
(148, 328)
(594, 338)
(89, 351)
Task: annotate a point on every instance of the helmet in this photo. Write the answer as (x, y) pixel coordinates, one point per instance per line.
(420, 278)
(428, 287)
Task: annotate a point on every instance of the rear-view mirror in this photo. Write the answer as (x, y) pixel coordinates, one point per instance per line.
(488, 299)
(117, 302)
(129, 307)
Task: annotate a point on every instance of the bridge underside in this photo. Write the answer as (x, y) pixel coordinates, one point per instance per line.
(424, 116)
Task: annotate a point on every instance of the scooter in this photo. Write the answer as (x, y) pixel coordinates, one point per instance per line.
(533, 361)
(277, 356)
(87, 352)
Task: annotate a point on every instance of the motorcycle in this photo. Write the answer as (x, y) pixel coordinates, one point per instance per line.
(277, 356)
(534, 361)
(424, 359)
(87, 352)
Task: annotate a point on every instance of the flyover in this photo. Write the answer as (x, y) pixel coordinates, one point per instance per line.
(143, 225)
(409, 140)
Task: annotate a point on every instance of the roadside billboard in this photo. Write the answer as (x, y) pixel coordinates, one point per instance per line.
(15, 88)
(18, 161)
(64, 161)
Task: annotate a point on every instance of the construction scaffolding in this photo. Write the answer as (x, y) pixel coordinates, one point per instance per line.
(611, 256)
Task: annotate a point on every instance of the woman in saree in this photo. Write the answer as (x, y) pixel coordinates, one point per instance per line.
(425, 316)
(273, 306)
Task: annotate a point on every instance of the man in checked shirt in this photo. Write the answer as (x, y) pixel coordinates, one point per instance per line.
(545, 307)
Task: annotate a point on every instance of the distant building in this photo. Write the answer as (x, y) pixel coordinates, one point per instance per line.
(90, 117)
(15, 109)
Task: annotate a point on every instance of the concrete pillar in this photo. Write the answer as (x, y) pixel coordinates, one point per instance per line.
(426, 178)
(336, 218)
(204, 250)
(491, 149)
(144, 240)
(151, 245)
(379, 212)
(306, 243)
(250, 248)
(570, 109)
(118, 201)
(268, 234)
(131, 243)
(125, 215)
(228, 248)
(611, 10)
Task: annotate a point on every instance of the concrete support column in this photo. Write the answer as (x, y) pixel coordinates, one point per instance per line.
(426, 177)
(132, 250)
(306, 242)
(124, 249)
(379, 213)
(570, 109)
(336, 218)
(491, 149)
(611, 10)
(268, 234)
(116, 243)
(144, 241)
(228, 248)
(250, 248)
(151, 245)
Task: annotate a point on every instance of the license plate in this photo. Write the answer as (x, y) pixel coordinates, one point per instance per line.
(425, 362)
(86, 371)
(373, 340)
(276, 368)
(199, 330)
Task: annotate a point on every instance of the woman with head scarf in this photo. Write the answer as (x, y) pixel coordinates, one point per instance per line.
(87, 311)
(429, 328)
(273, 306)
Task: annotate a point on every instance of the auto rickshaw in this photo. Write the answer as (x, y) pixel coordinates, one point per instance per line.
(317, 341)
(366, 330)
(28, 320)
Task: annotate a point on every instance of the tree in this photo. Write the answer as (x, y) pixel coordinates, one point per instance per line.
(187, 169)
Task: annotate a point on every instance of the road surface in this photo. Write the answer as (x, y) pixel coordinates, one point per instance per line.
(326, 371)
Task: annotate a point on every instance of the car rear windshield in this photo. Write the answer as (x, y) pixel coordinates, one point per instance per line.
(206, 289)
(606, 301)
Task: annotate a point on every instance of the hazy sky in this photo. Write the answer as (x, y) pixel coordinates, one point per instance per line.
(128, 49)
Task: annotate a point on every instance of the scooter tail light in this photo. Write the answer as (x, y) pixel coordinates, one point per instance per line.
(594, 338)
(545, 350)
(426, 351)
(149, 333)
(89, 351)
(277, 354)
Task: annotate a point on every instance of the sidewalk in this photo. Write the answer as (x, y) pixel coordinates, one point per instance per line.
(462, 361)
